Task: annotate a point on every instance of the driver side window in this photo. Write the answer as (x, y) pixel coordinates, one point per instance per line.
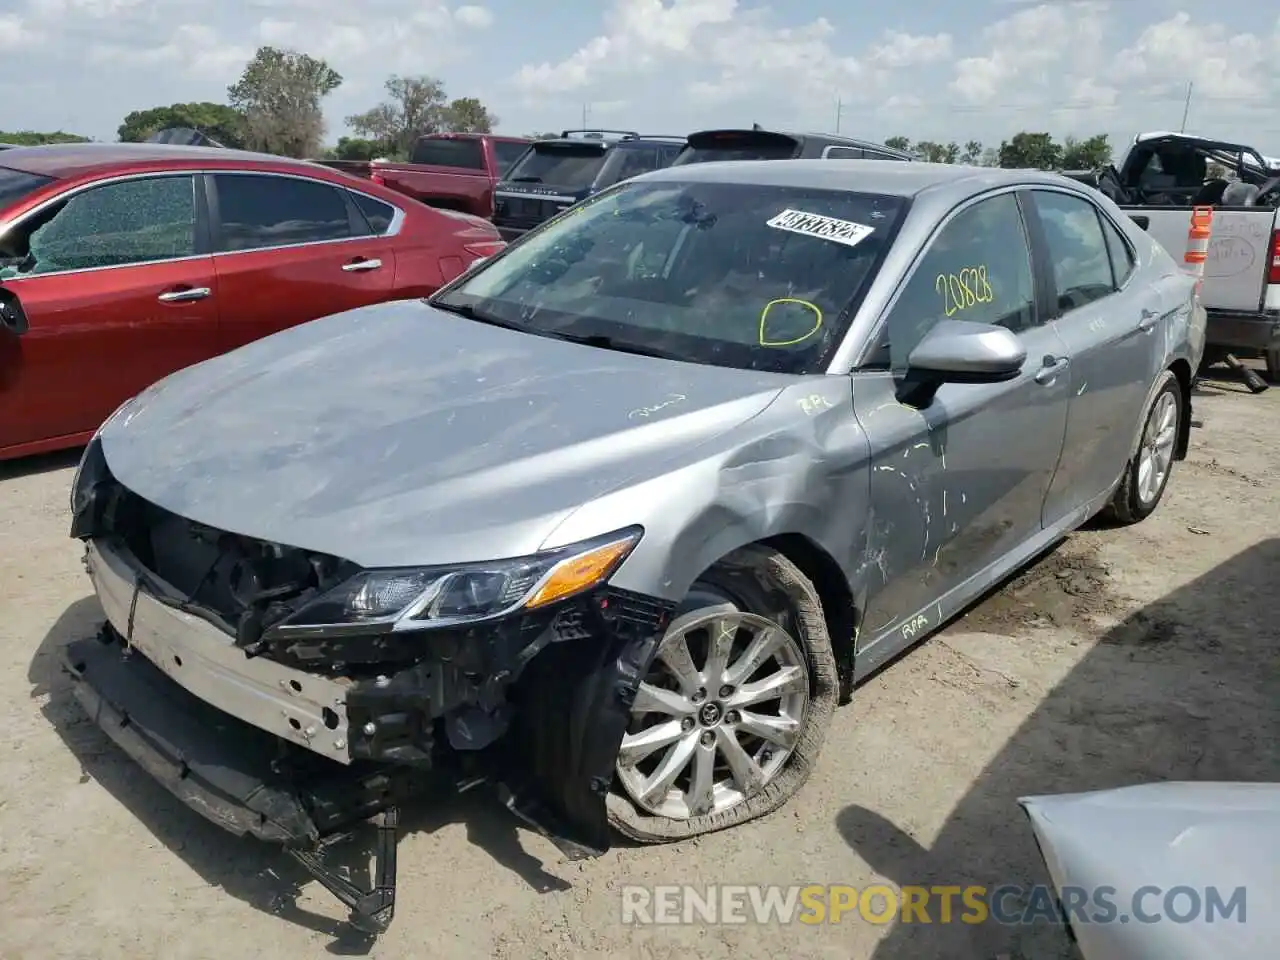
(977, 268)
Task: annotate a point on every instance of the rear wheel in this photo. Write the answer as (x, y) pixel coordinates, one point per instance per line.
(732, 712)
(1147, 475)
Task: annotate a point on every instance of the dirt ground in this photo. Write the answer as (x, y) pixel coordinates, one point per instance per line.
(1127, 655)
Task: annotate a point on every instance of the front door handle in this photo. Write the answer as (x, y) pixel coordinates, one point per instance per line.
(1148, 321)
(357, 266)
(183, 296)
(1052, 367)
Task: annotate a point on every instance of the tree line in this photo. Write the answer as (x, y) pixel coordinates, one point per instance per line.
(276, 106)
(1021, 151)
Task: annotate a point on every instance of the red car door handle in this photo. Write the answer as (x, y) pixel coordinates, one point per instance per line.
(355, 266)
(184, 295)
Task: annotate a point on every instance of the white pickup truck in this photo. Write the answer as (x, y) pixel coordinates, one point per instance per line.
(1162, 176)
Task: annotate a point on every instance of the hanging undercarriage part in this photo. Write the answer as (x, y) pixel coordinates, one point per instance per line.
(552, 770)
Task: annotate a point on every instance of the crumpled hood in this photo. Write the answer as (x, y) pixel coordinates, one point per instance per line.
(403, 435)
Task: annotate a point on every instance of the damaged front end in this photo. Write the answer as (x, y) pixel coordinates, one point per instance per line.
(291, 695)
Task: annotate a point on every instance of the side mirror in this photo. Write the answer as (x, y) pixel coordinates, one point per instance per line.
(1141, 219)
(12, 317)
(960, 351)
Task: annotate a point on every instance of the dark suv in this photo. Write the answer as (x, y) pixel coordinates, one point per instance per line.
(760, 144)
(552, 175)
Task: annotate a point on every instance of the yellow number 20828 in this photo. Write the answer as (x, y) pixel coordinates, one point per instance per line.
(965, 289)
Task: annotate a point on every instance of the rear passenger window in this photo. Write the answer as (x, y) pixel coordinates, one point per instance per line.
(270, 211)
(1077, 247)
(1121, 256)
(842, 153)
(378, 214)
(447, 152)
(978, 267)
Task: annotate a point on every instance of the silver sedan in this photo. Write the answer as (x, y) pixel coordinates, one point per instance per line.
(635, 502)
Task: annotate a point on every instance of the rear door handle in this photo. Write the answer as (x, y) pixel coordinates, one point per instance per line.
(183, 296)
(1052, 367)
(356, 266)
(1148, 321)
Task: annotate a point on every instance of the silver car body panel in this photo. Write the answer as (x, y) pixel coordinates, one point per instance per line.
(307, 709)
(1205, 836)
(401, 435)
(409, 436)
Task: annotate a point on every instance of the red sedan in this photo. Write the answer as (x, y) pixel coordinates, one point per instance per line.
(121, 263)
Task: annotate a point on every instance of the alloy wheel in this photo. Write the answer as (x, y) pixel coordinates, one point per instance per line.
(716, 718)
(1156, 456)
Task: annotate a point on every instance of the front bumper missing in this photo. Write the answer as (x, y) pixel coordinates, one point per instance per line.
(297, 706)
(260, 775)
(237, 776)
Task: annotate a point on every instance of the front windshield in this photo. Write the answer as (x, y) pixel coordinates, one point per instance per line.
(732, 274)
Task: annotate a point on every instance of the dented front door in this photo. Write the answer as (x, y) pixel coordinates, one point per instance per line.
(958, 485)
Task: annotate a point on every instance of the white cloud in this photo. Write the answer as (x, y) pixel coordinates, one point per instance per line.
(193, 50)
(1031, 47)
(637, 32)
(477, 17)
(1218, 63)
(15, 33)
(979, 72)
(93, 9)
(365, 43)
(904, 50)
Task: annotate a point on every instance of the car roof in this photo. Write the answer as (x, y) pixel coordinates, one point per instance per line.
(830, 139)
(452, 135)
(887, 177)
(75, 159)
(649, 139)
(837, 140)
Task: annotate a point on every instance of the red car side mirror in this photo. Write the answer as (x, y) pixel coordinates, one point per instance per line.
(12, 317)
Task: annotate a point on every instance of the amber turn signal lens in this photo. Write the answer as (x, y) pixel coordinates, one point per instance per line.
(575, 574)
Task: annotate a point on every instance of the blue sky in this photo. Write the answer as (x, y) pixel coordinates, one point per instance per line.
(926, 70)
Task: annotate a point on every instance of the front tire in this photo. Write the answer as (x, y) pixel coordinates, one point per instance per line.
(1147, 475)
(733, 710)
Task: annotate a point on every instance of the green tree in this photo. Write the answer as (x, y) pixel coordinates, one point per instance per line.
(898, 143)
(279, 93)
(1031, 151)
(358, 148)
(938, 152)
(972, 153)
(1093, 153)
(217, 120)
(414, 106)
(469, 115)
(35, 138)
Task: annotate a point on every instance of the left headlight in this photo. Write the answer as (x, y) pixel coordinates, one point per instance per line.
(415, 598)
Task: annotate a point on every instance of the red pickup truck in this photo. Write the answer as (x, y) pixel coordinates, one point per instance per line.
(455, 171)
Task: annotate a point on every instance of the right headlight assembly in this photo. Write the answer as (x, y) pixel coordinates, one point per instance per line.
(417, 598)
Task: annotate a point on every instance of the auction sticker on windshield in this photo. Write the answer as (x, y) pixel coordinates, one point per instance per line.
(816, 225)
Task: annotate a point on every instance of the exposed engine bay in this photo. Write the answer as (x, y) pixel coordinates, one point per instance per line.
(296, 736)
